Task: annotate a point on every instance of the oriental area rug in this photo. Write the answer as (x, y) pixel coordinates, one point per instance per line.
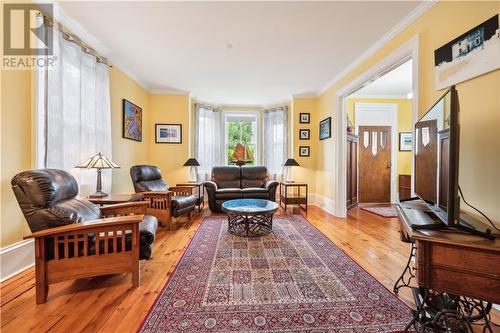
(292, 280)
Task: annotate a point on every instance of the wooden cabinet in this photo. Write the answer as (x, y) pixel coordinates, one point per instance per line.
(404, 187)
(352, 170)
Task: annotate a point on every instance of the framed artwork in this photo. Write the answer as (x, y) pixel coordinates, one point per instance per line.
(132, 121)
(304, 118)
(304, 151)
(304, 134)
(405, 141)
(325, 128)
(168, 133)
(473, 53)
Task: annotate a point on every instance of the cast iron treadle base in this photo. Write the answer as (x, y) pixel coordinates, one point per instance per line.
(441, 312)
(407, 275)
(250, 225)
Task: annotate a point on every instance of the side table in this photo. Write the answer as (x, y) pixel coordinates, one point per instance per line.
(200, 197)
(112, 199)
(297, 197)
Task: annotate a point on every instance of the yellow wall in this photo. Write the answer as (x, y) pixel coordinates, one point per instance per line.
(479, 102)
(127, 153)
(16, 152)
(404, 125)
(170, 109)
(307, 170)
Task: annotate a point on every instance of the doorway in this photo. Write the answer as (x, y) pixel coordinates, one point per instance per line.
(376, 114)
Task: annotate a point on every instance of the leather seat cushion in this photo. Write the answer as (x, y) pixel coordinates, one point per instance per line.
(254, 190)
(181, 202)
(229, 193)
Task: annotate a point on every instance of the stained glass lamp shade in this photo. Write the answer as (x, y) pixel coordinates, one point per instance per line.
(99, 162)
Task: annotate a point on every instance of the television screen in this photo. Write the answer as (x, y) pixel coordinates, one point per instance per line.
(433, 151)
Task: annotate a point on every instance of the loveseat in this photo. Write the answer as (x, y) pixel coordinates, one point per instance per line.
(234, 182)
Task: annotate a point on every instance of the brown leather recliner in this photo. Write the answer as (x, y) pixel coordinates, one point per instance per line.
(234, 182)
(71, 232)
(165, 201)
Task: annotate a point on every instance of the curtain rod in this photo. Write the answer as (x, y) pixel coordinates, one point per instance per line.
(71, 37)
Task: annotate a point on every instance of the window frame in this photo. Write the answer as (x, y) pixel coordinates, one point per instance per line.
(256, 117)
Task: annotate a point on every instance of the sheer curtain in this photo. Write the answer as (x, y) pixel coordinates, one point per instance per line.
(73, 112)
(275, 139)
(208, 148)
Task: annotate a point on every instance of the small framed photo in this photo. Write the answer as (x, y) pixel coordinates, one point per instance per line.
(304, 118)
(325, 128)
(304, 134)
(304, 151)
(168, 133)
(405, 141)
(132, 121)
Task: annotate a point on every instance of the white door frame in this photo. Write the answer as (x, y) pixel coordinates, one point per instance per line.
(390, 119)
(407, 51)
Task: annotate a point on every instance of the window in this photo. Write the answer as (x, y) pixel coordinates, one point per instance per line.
(275, 139)
(241, 137)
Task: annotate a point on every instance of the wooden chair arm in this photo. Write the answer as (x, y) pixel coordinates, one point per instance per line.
(106, 222)
(182, 190)
(127, 208)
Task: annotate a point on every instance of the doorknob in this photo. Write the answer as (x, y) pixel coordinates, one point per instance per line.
(389, 165)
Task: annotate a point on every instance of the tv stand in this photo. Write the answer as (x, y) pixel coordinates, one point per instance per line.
(454, 276)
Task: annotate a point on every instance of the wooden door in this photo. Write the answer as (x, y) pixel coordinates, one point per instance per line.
(374, 163)
(352, 171)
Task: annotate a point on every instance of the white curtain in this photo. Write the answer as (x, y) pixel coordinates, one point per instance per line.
(275, 139)
(208, 132)
(74, 115)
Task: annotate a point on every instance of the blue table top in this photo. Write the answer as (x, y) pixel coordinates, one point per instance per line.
(250, 206)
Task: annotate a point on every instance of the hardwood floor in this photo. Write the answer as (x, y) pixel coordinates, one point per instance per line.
(111, 304)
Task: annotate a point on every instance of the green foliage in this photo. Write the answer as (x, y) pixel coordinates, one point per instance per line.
(239, 132)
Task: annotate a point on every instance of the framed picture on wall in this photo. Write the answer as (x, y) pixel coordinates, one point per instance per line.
(168, 133)
(132, 121)
(304, 134)
(405, 141)
(325, 128)
(304, 151)
(304, 118)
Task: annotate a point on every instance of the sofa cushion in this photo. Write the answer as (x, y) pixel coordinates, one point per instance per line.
(226, 176)
(253, 176)
(228, 193)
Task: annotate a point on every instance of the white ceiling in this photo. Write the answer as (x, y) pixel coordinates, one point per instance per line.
(395, 84)
(245, 53)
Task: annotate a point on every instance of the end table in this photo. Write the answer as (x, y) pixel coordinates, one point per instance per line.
(200, 198)
(112, 199)
(297, 197)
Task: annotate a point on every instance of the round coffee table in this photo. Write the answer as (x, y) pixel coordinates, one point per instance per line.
(250, 217)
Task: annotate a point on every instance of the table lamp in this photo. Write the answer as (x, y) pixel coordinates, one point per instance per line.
(192, 163)
(288, 169)
(99, 162)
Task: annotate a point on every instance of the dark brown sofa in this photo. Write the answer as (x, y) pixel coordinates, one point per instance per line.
(234, 182)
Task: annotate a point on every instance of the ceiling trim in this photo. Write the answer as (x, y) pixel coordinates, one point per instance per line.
(172, 92)
(378, 96)
(412, 17)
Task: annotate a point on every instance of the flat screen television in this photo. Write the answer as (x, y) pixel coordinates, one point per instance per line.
(436, 149)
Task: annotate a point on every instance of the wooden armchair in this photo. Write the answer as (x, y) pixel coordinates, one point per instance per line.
(76, 239)
(164, 202)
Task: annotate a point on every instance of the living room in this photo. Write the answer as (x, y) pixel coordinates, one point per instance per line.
(199, 106)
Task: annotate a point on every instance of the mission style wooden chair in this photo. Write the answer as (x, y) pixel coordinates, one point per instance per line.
(164, 201)
(76, 239)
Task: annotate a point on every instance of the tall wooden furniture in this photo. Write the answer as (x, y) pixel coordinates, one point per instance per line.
(293, 194)
(463, 266)
(352, 171)
(404, 187)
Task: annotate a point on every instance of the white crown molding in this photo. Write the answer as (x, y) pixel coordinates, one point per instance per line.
(378, 96)
(409, 19)
(16, 258)
(172, 92)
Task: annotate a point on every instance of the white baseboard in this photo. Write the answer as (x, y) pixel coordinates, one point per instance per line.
(496, 307)
(322, 202)
(16, 258)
